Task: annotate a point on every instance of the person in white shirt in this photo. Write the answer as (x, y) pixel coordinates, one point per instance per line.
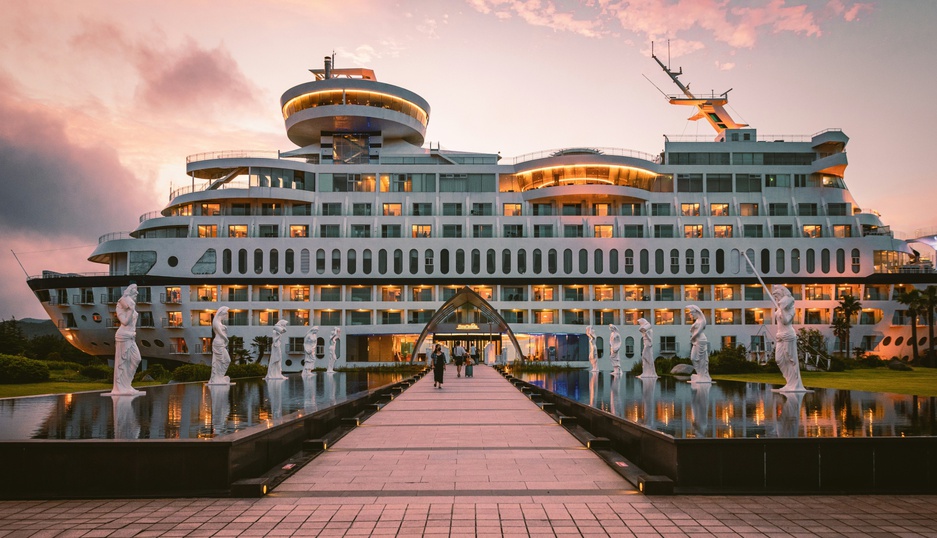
(459, 354)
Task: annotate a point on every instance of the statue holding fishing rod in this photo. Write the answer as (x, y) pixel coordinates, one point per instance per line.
(785, 350)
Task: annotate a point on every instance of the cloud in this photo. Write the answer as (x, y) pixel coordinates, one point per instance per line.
(52, 185)
(539, 13)
(725, 66)
(367, 54)
(185, 78)
(849, 13)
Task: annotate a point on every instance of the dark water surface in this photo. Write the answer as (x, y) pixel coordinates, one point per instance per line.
(180, 411)
(733, 409)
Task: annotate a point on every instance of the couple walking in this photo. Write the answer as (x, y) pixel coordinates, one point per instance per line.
(460, 358)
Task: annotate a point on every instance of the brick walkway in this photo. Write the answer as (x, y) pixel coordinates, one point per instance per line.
(473, 459)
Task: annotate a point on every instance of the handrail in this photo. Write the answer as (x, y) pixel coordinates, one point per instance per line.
(759, 138)
(114, 235)
(199, 188)
(618, 152)
(233, 154)
(51, 274)
(150, 215)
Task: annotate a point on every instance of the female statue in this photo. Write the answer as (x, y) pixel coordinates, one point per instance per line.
(275, 366)
(593, 359)
(699, 347)
(648, 370)
(126, 353)
(309, 350)
(785, 351)
(614, 345)
(220, 359)
(333, 347)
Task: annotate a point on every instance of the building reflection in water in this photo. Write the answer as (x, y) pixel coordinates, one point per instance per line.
(745, 410)
(177, 411)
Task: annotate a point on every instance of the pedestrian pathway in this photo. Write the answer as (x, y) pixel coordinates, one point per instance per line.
(475, 458)
(475, 439)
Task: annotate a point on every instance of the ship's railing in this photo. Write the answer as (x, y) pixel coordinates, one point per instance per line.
(759, 138)
(924, 232)
(150, 215)
(53, 274)
(618, 152)
(233, 154)
(199, 188)
(114, 235)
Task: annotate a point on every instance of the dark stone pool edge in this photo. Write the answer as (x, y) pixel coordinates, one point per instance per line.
(107, 468)
(769, 465)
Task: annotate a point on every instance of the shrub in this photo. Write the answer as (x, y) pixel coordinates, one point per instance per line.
(63, 365)
(732, 361)
(837, 364)
(192, 372)
(246, 370)
(96, 372)
(16, 369)
(156, 371)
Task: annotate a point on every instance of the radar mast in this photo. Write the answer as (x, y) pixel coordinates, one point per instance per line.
(710, 108)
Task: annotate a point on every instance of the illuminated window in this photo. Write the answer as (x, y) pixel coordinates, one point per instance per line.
(512, 210)
(603, 230)
(692, 231)
(207, 230)
(689, 210)
(842, 230)
(421, 230)
(748, 210)
(602, 210)
(719, 210)
(813, 230)
(237, 230)
(299, 230)
(722, 230)
(392, 210)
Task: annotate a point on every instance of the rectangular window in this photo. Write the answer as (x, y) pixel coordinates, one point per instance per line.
(361, 230)
(693, 231)
(689, 210)
(689, 182)
(240, 209)
(748, 210)
(481, 210)
(452, 230)
(513, 230)
(269, 230)
(842, 230)
(747, 183)
(660, 210)
(572, 230)
(603, 230)
(783, 230)
(482, 230)
(752, 230)
(807, 210)
(390, 230)
(572, 209)
(422, 209)
(719, 210)
(391, 210)
(722, 230)
(800, 180)
(777, 180)
(332, 208)
(601, 210)
(302, 209)
(237, 230)
(210, 210)
(512, 210)
(632, 210)
(543, 210)
(330, 317)
(813, 230)
(543, 230)
(836, 210)
(329, 230)
(663, 230)
(633, 230)
(452, 210)
(361, 210)
(271, 209)
(208, 230)
(718, 182)
(421, 230)
(299, 230)
(777, 210)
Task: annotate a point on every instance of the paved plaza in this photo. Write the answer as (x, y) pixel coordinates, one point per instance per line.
(475, 458)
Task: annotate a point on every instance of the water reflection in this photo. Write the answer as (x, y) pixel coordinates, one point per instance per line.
(733, 409)
(179, 411)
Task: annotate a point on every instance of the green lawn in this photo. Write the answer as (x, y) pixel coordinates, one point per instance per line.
(920, 382)
(58, 387)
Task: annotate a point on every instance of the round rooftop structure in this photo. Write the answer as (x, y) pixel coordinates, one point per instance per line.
(353, 105)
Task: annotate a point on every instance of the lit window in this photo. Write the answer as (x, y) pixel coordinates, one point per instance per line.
(421, 230)
(693, 231)
(392, 210)
(722, 230)
(237, 230)
(512, 210)
(207, 230)
(299, 230)
(813, 230)
(689, 210)
(603, 230)
(719, 210)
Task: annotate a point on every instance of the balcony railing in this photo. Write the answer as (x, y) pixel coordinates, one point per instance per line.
(619, 152)
(114, 236)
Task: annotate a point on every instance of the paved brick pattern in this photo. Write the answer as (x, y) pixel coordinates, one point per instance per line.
(473, 459)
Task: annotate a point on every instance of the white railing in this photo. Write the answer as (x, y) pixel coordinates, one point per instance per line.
(113, 236)
(150, 215)
(618, 152)
(233, 154)
(199, 188)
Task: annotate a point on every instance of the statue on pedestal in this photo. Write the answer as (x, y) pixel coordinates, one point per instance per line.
(309, 351)
(614, 345)
(220, 359)
(785, 351)
(699, 347)
(333, 348)
(275, 366)
(126, 353)
(648, 370)
(593, 359)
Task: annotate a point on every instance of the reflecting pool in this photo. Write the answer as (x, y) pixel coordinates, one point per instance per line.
(180, 411)
(731, 409)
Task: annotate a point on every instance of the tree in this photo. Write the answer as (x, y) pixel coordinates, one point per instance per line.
(929, 305)
(236, 350)
(12, 339)
(912, 299)
(848, 307)
(261, 344)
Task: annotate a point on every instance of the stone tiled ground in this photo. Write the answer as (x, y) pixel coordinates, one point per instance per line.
(473, 459)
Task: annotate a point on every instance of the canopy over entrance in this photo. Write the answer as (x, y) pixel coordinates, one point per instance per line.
(442, 324)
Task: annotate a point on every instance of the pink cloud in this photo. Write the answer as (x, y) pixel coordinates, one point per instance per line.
(849, 13)
(539, 13)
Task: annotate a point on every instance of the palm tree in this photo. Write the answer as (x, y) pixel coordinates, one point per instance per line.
(912, 299)
(929, 304)
(261, 344)
(848, 307)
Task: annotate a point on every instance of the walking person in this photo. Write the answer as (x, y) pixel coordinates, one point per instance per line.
(438, 359)
(459, 358)
(469, 366)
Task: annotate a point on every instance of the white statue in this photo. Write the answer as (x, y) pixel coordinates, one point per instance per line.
(699, 347)
(309, 351)
(220, 359)
(275, 366)
(785, 351)
(593, 359)
(220, 406)
(614, 345)
(333, 348)
(126, 353)
(490, 353)
(648, 370)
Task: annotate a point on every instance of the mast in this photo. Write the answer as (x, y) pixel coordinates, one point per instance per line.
(710, 108)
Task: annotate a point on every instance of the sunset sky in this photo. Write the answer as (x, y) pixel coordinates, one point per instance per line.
(101, 102)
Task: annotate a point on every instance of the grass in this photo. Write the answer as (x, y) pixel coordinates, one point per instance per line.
(59, 387)
(920, 382)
